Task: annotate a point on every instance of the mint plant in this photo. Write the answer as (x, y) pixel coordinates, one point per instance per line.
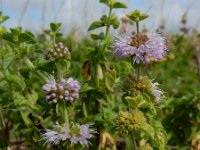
(111, 104)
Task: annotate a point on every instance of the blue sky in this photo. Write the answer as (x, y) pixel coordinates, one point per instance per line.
(80, 13)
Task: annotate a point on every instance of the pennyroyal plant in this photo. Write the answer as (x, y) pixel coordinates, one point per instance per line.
(102, 109)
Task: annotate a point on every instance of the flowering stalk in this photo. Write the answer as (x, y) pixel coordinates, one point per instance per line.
(142, 47)
(137, 26)
(138, 40)
(108, 26)
(99, 66)
(66, 116)
(138, 74)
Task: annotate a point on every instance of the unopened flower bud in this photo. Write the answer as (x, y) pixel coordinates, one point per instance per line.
(59, 51)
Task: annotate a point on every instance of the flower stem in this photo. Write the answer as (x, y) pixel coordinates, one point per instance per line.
(66, 116)
(138, 38)
(134, 141)
(108, 26)
(107, 30)
(138, 42)
(138, 74)
(85, 110)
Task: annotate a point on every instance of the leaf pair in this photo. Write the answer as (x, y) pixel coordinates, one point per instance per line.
(113, 4)
(137, 16)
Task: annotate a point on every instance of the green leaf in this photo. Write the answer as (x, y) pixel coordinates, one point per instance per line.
(48, 32)
(16, 31)
(63, 65)
(24, 116)
(104, 19)
(26, 37)
(134, 16)
(8, 37)
(143, 16)
(160, 137)
(32, 98)
(119, 5)
(103, 1)
(97, 36)
(137, 16)
(3, 18)
(109, 81)
(55, 26)
(138, 102)
(115, 22)
(106, 2)
(8, 58)
(149, 131)
(13, 36)
(108, 114)
(98, 117)
(136, 13)
(95, 25)
(29, 63)
(17, 80)
(85, 88)
(59, 34)
(2, 30)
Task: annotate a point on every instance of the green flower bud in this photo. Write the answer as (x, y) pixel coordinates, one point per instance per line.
(131, 85)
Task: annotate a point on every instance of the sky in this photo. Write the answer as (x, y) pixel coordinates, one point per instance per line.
(36, 15)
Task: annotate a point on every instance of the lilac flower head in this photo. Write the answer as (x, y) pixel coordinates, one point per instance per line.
(141, 47)
(76, 134)
(81, 134)
(123, 45)
(66, 89)
(50, 85)
(55, 136)
(156, 92)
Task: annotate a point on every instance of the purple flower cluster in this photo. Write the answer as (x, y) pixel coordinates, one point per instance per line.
(55, 136)
(142, 49)
(66, 89)
(76, 134)
(83, 136)
(58, 51)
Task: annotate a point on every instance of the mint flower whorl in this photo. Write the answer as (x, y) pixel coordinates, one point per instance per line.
(66, 90)
(59, 51)
(76, 134)
(122, 47)
(150, 45)
(156, 91)
(81, 134)
(55, 136)
(50, 89)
